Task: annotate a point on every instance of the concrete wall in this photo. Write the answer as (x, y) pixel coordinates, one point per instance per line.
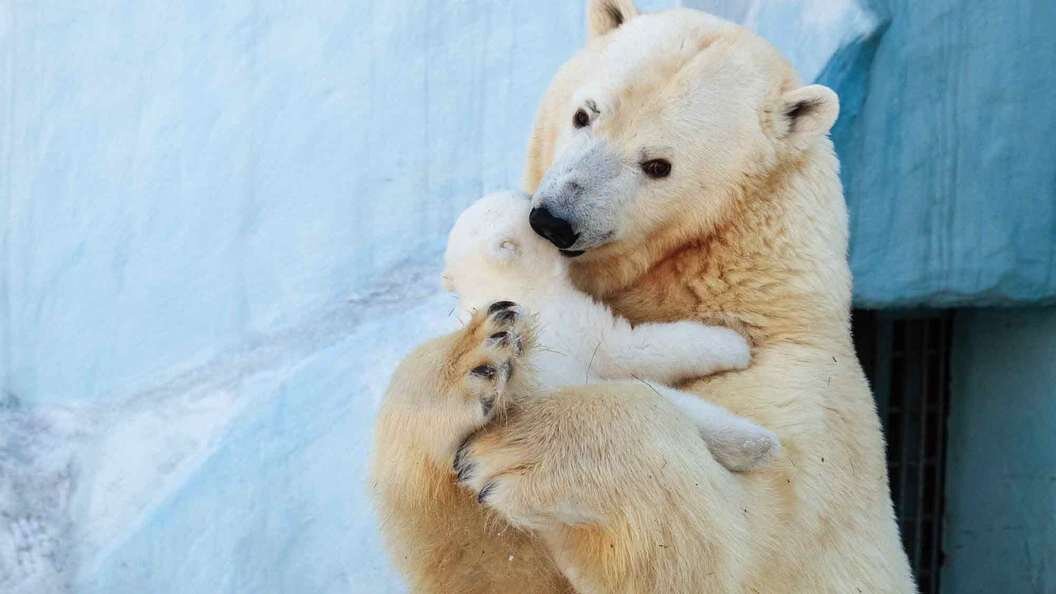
(1000, 532)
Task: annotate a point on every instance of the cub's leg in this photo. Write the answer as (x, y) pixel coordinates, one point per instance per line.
(438, 536)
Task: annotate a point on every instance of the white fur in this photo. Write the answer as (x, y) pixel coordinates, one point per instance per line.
(493, 255)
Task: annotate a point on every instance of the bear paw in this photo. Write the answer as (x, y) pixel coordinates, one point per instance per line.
(492, 344)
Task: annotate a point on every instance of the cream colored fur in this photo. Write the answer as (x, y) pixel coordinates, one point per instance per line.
(442, 540)
(749, 231)
(493, 255)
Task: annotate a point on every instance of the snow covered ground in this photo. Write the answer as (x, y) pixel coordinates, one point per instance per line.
(222, 228)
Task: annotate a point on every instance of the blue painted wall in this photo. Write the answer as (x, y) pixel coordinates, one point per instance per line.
(1000, 532)
(948, 153)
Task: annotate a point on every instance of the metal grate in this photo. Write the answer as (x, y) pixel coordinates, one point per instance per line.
(906, 358)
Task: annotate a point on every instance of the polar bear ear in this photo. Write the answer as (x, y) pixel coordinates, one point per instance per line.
(504, 250)
(605, 15)
(807, 112)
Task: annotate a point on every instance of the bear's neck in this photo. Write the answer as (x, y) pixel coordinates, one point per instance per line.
(776, 269)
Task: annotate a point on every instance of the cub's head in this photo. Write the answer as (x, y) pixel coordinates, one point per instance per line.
(660, 122)
(492, 249)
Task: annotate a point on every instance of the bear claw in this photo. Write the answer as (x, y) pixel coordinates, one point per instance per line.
(484, 492)
(505, 315)
(500, 338)
(461, 467)
(500, 305)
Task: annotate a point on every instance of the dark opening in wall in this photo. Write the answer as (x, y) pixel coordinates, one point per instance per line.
(906, 358)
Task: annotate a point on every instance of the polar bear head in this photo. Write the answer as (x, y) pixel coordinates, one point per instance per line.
(492, 252)
(661, 122)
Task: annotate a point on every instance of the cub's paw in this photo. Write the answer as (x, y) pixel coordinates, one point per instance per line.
(488, 355)
(743, 446)
(729, 349)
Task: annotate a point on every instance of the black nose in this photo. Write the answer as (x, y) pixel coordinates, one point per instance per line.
(556, 231)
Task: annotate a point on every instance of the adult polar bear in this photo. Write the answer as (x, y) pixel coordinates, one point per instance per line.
(687, 163)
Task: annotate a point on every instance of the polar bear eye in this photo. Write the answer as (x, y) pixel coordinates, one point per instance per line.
(657, 168)
(580, 119)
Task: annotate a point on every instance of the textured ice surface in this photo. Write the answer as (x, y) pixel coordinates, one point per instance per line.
(36, 477)
(222, 228)
(243, 475)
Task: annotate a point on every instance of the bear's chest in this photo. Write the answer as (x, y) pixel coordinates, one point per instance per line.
(660, 302)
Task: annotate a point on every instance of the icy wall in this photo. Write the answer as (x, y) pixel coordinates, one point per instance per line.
(221, 223)
(221, 228)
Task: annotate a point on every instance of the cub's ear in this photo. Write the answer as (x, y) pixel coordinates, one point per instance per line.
(806, 113)
(504, 250)
(605, 15)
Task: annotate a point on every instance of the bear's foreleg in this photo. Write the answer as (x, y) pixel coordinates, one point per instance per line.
(620, 486)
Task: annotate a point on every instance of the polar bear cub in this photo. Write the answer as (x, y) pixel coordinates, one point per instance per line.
(493, 254)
